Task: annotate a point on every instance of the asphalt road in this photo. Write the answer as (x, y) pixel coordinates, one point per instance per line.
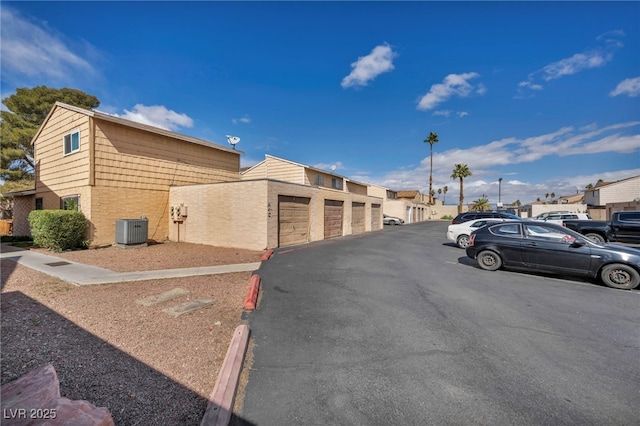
(399, 327)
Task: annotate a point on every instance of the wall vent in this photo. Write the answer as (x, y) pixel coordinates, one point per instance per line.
(130, 232)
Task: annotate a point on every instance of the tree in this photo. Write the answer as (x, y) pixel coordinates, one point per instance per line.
(439, 192)
(546, 196)
(433, 138)
(444, 191)
(589, 186)
(481, 204)
(461, 171)
(516, 203)
(553, 195)
(27, 110)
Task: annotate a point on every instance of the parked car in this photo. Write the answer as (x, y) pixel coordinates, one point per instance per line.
(542, 216)
(547, 247)
(390, 220)
(465, 217)
(624, 227)
(557, 218)
(459, 232)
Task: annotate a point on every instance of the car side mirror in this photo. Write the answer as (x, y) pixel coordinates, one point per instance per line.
(579, 242)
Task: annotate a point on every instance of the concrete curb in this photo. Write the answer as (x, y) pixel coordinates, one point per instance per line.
(251, 298)
(267, 255)
(221, 401)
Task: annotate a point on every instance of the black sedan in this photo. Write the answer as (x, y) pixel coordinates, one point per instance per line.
(546, 247)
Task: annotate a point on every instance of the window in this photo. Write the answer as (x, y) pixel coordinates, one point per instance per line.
(39, 203)
(507, 230)
(70, 203)
(319, 180)
(72, 142)
(336, 183)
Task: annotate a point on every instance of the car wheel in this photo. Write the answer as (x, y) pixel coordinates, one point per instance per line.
(463, 241)
(620, 276)
(489, 260)
(595, 237)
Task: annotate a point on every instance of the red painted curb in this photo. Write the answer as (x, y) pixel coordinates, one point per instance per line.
(220, 405)
(267, 255)
(252, 293)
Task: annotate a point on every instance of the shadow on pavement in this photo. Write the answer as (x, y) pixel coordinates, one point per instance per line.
(91, 369)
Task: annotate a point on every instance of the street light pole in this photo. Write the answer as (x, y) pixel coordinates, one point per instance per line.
(499, 191)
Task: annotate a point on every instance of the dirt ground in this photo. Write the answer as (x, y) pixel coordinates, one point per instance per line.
(145, 366)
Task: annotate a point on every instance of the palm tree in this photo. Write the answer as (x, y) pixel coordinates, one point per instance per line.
(461, 171)
(481, 204)
(589, 186)
(546, 196)
(553, 195)
(439, 192)
(433, 138)
(444, 191)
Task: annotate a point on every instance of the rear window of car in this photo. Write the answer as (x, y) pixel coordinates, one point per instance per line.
(630, 217)
(506, 230)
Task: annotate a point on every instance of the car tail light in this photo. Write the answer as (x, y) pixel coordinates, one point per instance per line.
(472, 238)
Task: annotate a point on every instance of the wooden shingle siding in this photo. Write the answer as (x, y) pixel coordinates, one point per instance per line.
(259, 171)
(356, 188)
(131, 158)
(284, 171)
(54, 170)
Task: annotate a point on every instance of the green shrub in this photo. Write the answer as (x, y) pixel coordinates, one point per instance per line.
(58, 230)
(447, 217)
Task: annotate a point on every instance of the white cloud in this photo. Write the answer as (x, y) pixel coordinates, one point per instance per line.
(442, 112)
(629, 87)
(158, 116)
(575, 64)
(588, 59)
(34, 50)
(327, 166)
(243, 120)
(588, 140)
(452, 85)
(367, 68)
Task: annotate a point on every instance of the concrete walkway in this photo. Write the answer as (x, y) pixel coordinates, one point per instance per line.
(81, 274)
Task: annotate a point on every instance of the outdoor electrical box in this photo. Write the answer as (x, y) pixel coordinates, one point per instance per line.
(178, 212)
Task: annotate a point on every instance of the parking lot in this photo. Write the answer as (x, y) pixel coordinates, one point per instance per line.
(400, 327)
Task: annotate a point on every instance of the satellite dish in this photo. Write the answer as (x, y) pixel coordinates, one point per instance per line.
(233, 140)
(333, 168)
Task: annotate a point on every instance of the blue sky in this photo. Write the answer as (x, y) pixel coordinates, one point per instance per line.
(544, 95)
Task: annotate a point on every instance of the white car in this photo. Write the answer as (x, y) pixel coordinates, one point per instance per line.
(557, 218)
(390, 220)
(459, 233)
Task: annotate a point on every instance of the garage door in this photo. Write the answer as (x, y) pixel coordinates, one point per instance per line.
(376, 213)
(293, 220)
(357, 218)
(332, 218)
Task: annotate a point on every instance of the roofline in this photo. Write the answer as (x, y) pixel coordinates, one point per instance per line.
(21, 193)
(306, 166)
(129, 123)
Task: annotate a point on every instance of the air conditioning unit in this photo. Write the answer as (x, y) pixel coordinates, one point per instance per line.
(132, 232)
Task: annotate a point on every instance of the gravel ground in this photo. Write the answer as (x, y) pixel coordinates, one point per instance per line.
(145, 366)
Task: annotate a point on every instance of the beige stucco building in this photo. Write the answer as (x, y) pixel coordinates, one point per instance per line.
(111, 168)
